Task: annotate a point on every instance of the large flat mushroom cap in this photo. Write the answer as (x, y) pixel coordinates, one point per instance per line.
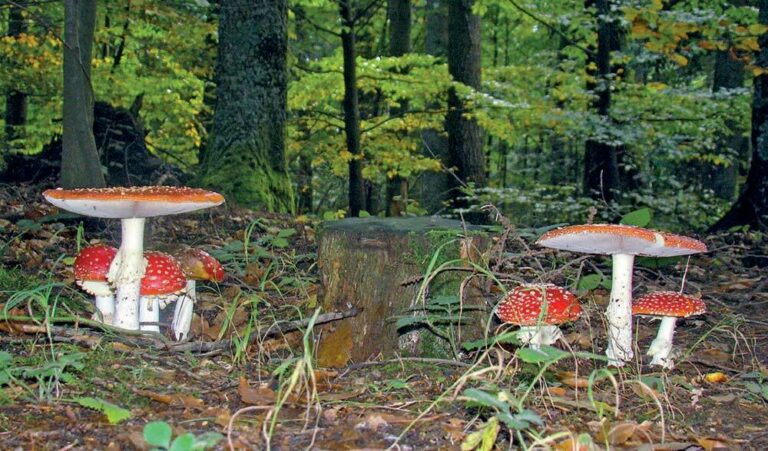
(668, 303)
(132, 202)
(620, 239)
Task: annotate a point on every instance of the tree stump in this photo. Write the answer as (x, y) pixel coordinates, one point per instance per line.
(378, 265)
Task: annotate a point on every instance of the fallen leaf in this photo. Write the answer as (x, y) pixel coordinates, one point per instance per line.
(716, 378)
(645, 392)
(557, 391)
(570, 379)
(255, 396)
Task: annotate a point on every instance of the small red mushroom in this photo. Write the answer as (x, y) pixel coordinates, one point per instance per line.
(668, 305)
(538, 309)
(197, 265)
(91, 267)
(163, 279)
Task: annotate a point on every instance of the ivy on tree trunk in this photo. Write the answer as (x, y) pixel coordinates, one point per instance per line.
(245, 160)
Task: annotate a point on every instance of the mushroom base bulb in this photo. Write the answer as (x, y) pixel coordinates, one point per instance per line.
(661, 347)
(536, 336)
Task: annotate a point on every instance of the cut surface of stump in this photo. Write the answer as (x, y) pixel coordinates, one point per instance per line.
(378, 265)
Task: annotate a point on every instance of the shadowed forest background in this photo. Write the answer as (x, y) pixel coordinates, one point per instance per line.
(487, 122)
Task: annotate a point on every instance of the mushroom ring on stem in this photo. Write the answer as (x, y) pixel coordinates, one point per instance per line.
(131, 205)
(91, 267)
(197, 265)
(623, 243)
(162, 280)
(538, 310)
(668, 305)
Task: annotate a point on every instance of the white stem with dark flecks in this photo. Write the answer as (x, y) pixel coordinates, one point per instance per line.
(661, 347)
(182, 315)
(619, 311)
(537, 336)
(149, 313)
(126, 272)
(105, 306)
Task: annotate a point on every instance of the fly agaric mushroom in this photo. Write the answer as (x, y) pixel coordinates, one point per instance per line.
(162, 280)
(131, 205)
(622, 242)
(197, 265)
(91, 267)
(538, 310)
(668, 305)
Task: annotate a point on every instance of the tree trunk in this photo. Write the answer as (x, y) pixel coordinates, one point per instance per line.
(432, 188)
(15, 101)
(729, 74)
(352, 110)
(601, 175)
(376, 265)
(80, 165)
(465, 143)
(751, 208)
(399, 12)
(246, 157)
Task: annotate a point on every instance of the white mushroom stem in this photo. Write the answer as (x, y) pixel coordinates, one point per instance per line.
(182, 316)
(661, 347)
(149, 313)
(619, 311)
(126, 272)
(105, 306)
(536, 336)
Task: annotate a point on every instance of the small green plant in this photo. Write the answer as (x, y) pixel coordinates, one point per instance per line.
(47, 377)
(158, 434)
(115, 414)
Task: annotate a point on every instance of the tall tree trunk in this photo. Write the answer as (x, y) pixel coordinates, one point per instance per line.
(465, 144)
(246, 157)
(80, 165)
(601, 175)
(751, 208)
(729, 74)
(352, 110)
(15, 101)
(399, 12)
(433, 188)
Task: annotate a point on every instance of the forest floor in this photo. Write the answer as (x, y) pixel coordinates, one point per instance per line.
(67, 384)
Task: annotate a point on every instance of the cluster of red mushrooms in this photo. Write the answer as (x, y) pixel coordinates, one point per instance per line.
(539, 309)
(130, 284)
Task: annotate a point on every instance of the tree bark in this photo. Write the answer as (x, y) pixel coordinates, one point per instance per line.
(601, 174)
(351, 107)
(245, 160)
(751, 208)
(15, 101)
(80, 165)
(465, 143)
(399, 12)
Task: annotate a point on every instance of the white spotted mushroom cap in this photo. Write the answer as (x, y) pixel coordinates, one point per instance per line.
(668, 303)
(163, 275)
(523, 305)
(91, 267)
(614, 239)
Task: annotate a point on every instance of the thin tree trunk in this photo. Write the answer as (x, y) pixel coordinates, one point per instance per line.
(352, 110)
(601, 176)
(246, 157)
(465, 144)
(399, 12)
(80, 165)
(751, 209)
(15, 101)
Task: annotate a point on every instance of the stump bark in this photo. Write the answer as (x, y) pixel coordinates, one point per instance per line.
(377, 265)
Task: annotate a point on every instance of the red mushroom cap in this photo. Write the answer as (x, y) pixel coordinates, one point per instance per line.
(92, 263)
(200, 265)
(163, 275)
(523, 305)
(132, 202)
(668, 303)
(620, 239)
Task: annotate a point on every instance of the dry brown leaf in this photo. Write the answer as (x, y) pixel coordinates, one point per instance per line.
(454, 427)
(570, 445)
(341, 396)
(645, 392)
(710, 444)
(621, 433)
(159, 397)
(716, 378)
(570, 379)
(255, 396)
(557, 391)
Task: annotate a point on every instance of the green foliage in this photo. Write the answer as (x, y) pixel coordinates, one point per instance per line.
(158, 434)
(115, 414)
(41, 379)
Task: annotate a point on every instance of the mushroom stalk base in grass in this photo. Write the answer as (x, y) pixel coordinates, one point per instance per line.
(537, 336)
(661, 347)
(126, 272)
(105, 309)
(182, 316)
(619, 311)
(149, 313)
